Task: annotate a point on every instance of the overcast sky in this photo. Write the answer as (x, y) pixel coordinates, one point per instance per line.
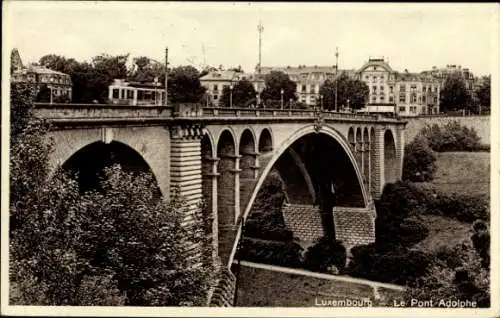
(410, 36)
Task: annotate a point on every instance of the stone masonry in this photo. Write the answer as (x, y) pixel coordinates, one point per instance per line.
(303, 220)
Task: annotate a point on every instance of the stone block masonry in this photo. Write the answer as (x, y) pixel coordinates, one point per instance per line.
(303, 220)
(354, 226)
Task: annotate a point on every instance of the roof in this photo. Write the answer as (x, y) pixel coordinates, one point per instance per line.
(299, 69)
(40, 70)
(376, 62)
(230, 76)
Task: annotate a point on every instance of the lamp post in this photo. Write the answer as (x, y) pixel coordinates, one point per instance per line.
(156, 84)
(321, 99)
(291, 100)
(282, 91)
(231, 96)
(51, 81)
(256, 100)
(348, 103)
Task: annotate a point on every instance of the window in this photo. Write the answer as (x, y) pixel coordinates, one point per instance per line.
(116, 93)
(424, 89)
(216, 88)
(382, 77)
(374, 77)
(391, 99)
(367, 77)
(381, 88)
(374, 99)
(381, 98)
(374, 88)
(424, 110)
(402, 98)
(424, 99)
(303, 88)
(130, 94)
(402, 88)
(215, 97)
(391, 89)
(413, 109)
(402, 109)
(413, 98)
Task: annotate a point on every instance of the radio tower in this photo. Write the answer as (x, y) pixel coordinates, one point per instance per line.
(260, 28)
(336, 75)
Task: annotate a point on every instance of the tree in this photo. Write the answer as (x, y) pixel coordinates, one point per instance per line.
(119, 246)
(454, 94)
(419, 162)
(147, 70)
(484, 93)
(355, 91)
(275, 82)
(236, 69)
(106, 68)
(184, 85)
(243, 95)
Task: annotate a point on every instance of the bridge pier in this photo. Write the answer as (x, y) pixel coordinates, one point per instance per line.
(186, 178)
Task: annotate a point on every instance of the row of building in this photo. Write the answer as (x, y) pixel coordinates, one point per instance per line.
(390, 91)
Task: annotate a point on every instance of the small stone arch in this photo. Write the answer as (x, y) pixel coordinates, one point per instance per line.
(265, 141)
(390, 160)
(350, 138)
(224, 133)
(366, 155)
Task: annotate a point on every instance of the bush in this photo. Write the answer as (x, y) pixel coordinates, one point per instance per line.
(388, 264)
(465, 208)
(266, 220)
(481, 242)
(451, 137)
(323, 254)
(419, 162)
(287, 254)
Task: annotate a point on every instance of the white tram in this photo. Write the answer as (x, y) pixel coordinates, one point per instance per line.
(126, 93)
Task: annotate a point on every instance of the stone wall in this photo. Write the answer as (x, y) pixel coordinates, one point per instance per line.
(480, 123)
(303, 220)
(354, 226)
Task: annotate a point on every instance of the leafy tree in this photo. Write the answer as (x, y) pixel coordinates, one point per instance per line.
(484, 93)
(419, 162)
(454, 94)
(106, 68)
(147, 70)
(243, 94)
(119, 246)
(275, 82)
(236, 69)
(355, 91)
(184, 85)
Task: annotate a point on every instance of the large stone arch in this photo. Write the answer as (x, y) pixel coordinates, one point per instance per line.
(88, 163)
(390, 159)
(154, 151)
(306, 130)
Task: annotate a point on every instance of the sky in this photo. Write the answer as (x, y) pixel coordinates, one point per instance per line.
(410, 36)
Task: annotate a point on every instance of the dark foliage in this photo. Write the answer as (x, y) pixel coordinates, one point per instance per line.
(390, 265)
(287, 254)
(451, 137)
(323, 254)
(419, 161)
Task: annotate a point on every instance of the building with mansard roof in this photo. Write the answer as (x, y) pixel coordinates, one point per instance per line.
(58, 83)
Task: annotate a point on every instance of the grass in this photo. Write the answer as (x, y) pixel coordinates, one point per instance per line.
(463, 172)
(443, 232)
(265, 288)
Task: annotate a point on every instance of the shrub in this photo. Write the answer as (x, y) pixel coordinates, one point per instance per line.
(419, 162)
(266, 220)
(388, 264)
(451, 137)
(453, 274)
(287, 254)
(481, 242)
(465, 208)
(323, 254)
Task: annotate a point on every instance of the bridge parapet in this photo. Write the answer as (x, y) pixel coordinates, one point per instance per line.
(61, 113)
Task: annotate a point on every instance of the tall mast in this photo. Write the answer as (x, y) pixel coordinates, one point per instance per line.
(166, 77)
(336, 75)
(260, 28)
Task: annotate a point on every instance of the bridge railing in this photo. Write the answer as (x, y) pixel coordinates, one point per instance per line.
(104, 111)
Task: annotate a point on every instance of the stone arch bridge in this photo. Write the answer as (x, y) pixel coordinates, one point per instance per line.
(224, 155)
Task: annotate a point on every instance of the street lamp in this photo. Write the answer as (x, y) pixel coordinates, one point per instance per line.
(51, 81)
(321, 99)
(256, 100)
(231, 96)
(348, 104)
(291, 103)
(282, 91)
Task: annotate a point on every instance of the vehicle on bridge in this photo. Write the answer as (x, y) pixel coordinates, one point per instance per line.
(126, 93)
